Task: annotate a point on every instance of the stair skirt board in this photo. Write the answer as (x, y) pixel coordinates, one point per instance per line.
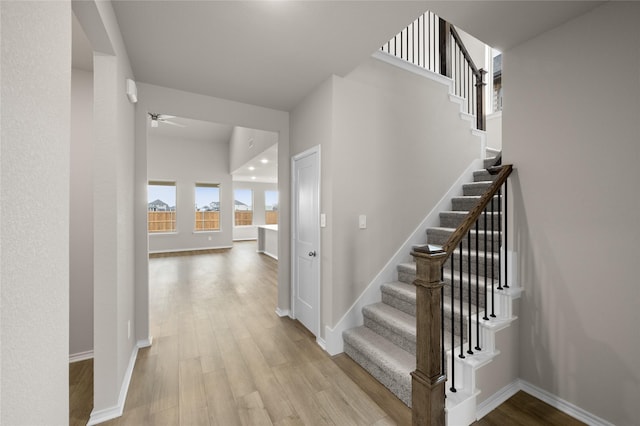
(353, 317)
(385, 345)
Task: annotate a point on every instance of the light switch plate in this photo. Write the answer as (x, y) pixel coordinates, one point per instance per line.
(362, 221)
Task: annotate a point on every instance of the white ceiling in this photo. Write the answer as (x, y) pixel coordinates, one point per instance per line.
(267, 53)
(505, 24)
(261, 168)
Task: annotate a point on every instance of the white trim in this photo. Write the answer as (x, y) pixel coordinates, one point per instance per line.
(283, 312)
(80, 356)
(353, 317)
(145, 343)
(563, 405)
(408, 66)
(555, 401)
(266, 253)
(495, 400)
(116, 411)
(311, 151)
(188, 249)
(320, 341)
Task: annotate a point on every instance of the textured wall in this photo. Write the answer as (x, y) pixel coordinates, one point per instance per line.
(34, 216)
(81, 214)
(571, 128)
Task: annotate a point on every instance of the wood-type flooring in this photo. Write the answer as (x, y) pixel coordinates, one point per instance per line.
(221, 356)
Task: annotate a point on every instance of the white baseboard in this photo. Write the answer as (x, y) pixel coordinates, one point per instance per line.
(283, 312)
(80, 356)
(266, 253)
(145, 343)
(555, 401)
(562, 405)
(495, 400)
(103, 415)
(188, 249)
(353, 317)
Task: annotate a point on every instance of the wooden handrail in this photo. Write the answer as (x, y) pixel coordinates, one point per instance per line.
(463, 49)
(428, 379)
(474, 213)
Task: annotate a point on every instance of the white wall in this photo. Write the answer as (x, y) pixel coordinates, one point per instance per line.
(494, 130)
(113, 196)
(241, 151)
(392, 145)
(571, 128)
(34, 214)
(81, 214)
(188, 162)
(258, 189)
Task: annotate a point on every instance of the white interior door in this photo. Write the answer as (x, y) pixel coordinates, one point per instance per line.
(306, 239)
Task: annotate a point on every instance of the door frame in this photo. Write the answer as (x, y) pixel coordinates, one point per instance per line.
(315, 150)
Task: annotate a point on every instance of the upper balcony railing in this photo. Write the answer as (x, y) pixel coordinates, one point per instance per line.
(432, 43)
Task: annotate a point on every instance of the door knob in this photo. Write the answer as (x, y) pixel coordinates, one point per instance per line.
(312, 253)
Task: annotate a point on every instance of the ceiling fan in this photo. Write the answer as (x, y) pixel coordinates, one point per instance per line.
(163, 118)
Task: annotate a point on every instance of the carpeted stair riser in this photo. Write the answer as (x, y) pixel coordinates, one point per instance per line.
(439, 236)
(400, 295)
(489, 162)
(468, 203)
(407, 274)
(477, 268)
(475, 188)
(454, 219)
(483, 176)
(446, 289)
(392, 324)
(389, 364)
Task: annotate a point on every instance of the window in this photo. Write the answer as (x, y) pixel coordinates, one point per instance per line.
(497, 83)
(207, 207)
(243, 207)
(161, 207)
(271, 207)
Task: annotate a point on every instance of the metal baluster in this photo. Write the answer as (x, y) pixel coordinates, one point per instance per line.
(442, 350)
(453, 336)
(506, 234)
(493, 275)
(486, 305)
(500, 239)
(477, 347)
(461, 306)
(469, 315)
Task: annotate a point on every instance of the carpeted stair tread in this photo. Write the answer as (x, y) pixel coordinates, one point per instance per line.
(392, 324)
(466, 203)
(453, 219)
(407, 271)
(400, 295)
(483, 175)
(439, 236)
(385, 361)
(475, 188)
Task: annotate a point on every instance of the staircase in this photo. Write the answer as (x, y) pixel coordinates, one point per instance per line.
(385, 345)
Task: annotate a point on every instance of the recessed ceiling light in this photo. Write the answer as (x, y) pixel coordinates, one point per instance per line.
(251, 168)
(264, 161)
(253, 178)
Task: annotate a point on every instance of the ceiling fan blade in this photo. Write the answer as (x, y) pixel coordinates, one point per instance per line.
(165, 116)
(172, 123)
